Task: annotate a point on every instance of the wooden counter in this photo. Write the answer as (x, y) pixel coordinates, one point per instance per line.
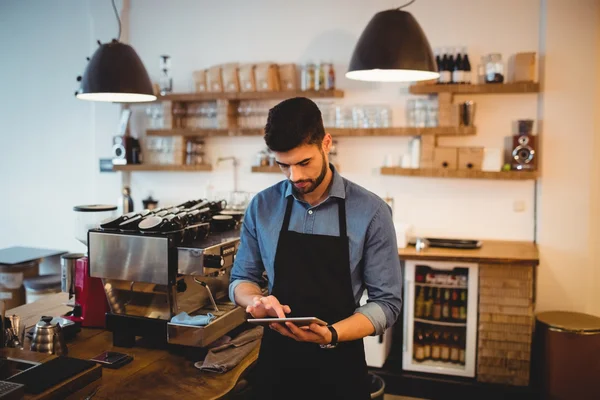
(491, 252)
(153, 373)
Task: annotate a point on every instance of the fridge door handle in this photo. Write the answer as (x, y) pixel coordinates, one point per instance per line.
(409, 286)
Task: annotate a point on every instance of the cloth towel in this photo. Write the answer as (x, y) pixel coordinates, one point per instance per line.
(184, 318)
(227, 356)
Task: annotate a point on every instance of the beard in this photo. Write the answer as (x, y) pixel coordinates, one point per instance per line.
(312, 183)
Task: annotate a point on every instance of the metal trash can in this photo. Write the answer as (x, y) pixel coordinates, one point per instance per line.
(567, 355)
(377, 386)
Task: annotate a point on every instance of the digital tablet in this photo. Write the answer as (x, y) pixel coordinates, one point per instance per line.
(298, 321)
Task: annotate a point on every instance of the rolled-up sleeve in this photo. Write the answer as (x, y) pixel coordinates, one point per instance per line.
(248, 265)
(382, 275)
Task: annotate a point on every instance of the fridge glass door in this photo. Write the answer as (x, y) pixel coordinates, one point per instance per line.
(440, 317)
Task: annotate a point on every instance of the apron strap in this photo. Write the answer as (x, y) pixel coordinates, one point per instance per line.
(288, 213)
(342, 217)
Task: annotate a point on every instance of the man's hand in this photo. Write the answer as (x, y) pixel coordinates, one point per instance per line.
(313, 333)
(267, 306)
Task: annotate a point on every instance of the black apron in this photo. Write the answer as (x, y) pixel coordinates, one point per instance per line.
(312, 276)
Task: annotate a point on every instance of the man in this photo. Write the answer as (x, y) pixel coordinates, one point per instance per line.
(321, 240)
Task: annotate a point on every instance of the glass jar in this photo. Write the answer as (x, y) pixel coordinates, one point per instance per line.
(494, 68)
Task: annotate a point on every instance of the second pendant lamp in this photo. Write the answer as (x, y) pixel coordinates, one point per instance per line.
(393, 48)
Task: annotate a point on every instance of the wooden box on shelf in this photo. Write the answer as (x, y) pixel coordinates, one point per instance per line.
(267, 77)
(445, 158)
(214, 79)
(426, 160)
(230, 78)
(288, 79)
(470, 158)
(247, 78)
(200, 83)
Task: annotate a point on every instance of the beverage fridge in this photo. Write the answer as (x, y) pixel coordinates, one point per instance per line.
(440, 317)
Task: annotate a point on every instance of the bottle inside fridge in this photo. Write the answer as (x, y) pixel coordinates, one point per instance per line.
(440, 312)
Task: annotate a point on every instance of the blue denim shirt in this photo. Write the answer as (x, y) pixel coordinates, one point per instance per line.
(374, 261)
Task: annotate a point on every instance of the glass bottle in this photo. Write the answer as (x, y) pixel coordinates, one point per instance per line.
(420, 303)
(446, 305)
(436, 349)
(455, 348)
(445, 347)
(428, 303)
(494, 68)
(165, 81)
(462, 309)
(419, 351)
(437, 305)
(427, 345)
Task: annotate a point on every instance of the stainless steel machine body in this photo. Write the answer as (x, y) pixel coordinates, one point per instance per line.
(150, 278)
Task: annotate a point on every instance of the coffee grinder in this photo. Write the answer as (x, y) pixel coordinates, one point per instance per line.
(86, 294)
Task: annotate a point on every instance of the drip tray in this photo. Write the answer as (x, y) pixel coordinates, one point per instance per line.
(229, 317)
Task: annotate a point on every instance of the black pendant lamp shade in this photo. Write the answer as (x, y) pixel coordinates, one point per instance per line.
(392, 48)
(115, 73)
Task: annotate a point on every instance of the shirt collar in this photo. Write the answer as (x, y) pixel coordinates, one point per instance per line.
(337, 188)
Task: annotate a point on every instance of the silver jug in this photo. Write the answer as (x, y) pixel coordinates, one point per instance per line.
(48, 338)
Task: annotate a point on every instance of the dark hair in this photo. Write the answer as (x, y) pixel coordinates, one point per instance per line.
(292, 123)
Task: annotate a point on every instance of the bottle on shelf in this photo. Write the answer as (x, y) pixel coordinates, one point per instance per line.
(330, 77)
(445, 347)
(455, 306)
(427, 344)
(455, 348)
(457, 71)
(436, 348)
(420, 302)
(445, 74)
(446, 305)
(462, 308)
(451, 64)
(462, 349)
(429, 303)
(125, 203)
(466, 67)
(437, 305)
(165, 80)
(438, 63)
(419, 350)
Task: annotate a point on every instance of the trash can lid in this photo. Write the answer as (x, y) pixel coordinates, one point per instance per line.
(569, 321)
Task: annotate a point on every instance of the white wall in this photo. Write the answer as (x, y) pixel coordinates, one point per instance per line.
(59, 35)
(207, 33)
(570, 101)
(49, 139)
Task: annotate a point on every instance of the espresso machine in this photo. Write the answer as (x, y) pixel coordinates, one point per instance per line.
(151, 276)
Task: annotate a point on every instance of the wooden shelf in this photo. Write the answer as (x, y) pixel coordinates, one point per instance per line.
(196, 132)
(267, 169)
(486, 88)
(336, 132)
(403, 131)
(276, 169)
(284, 94)
(464, 174)
(159, 167)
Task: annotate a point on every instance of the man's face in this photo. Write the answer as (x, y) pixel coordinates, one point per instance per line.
(305, 166)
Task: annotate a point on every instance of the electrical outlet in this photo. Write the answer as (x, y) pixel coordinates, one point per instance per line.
(519, 206)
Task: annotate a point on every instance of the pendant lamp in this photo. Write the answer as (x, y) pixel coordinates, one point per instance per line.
(393, 48)
(115, 73)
